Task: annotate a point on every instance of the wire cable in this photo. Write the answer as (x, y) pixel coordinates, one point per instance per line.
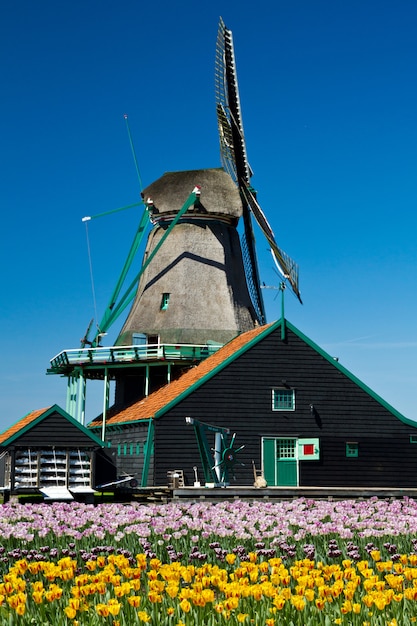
(132, 147)
(91, 271)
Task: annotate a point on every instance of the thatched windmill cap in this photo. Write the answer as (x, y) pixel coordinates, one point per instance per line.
(219, 194)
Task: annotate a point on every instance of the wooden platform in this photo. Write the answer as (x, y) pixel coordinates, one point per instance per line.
(165, 493)
(285, 493)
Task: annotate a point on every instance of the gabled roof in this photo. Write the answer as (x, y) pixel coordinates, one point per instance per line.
(161, 401)
(35, 417)
(21, 425)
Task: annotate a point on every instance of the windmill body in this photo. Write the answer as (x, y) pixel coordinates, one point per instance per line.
(194, 291)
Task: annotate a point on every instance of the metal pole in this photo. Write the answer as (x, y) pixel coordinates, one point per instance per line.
(217, 454)
(105, 404)
(81, 398)
(282, 287)
(72, 396)
(146, 381)
(68, 400)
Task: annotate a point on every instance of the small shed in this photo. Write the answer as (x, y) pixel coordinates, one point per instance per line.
(48, 452)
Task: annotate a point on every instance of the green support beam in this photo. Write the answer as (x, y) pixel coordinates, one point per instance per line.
(113, 310)
(148, 453)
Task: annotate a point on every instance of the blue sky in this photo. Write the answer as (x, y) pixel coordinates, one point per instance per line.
(329, 102)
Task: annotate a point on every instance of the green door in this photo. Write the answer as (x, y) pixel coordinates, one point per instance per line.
(287, 462)
(269, 461)
(280, 461)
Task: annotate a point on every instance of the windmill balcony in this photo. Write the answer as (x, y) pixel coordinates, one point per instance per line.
(68, 359)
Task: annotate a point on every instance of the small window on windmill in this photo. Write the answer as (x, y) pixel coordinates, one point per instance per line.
(352, 449)
(165, 301)
(283, 399)
(139, 339)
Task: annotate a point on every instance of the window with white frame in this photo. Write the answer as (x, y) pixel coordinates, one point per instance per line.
(283, 399)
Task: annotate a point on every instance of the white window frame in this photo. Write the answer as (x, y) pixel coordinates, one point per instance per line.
(288, 407)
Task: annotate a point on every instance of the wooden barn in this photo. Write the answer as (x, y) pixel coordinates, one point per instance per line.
(47, 452)
(270, 397)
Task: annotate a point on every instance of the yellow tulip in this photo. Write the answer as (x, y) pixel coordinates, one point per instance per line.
(185, 606)
(242, 617)
(298, 602)
(346, 607)
(102, 610)
(143, 616)
(134, 601)
(70, 612)
(114, 607)
(231, 603)
(309, 594)
(154, 597)
(37, 597)
(208, 595)
(91, 565)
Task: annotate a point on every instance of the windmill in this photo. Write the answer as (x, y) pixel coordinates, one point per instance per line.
(223, 309)
(198, 285)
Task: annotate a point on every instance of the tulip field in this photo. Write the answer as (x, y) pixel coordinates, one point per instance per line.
(299, 562)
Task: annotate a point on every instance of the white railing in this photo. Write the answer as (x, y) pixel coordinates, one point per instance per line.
(131, 354)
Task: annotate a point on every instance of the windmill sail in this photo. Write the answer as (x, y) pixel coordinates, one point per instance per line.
(235, 162)
(233, 153)
(287, 267)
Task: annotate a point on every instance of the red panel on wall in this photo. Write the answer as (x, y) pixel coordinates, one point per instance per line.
(308, 448)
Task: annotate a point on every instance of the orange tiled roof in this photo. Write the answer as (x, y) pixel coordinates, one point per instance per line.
(148, 407)
(22, 423)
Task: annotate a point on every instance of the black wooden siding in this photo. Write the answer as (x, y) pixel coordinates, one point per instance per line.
(124, 449)
(54, 430)
(239, 397)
